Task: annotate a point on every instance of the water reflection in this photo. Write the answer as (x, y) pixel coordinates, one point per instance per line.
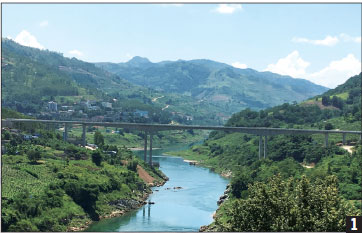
(183, 209)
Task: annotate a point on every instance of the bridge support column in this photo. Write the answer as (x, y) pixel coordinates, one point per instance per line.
(83, 135)
(326, 140)
(65, 135)
(265, 146)
(151, 136)
(344, 139)
(145, 149)
(260, 144)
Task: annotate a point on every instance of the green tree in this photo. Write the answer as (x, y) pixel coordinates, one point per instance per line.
(97, 157)
(132, 165)
(98, 139)
(34, 155)
(290, 205)
(328, 126)
(326, 100)
(23, 225)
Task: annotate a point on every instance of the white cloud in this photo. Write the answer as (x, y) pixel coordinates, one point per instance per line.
(128, 55)
(44, 23)
(27, 39)
(239, 65)
(348, 38)
(75, 52)
(228, 8)
(292, 65)
(337, 72)
(328, 41)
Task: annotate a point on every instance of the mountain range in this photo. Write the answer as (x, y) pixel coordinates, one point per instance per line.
(215, 82)
(207, 91)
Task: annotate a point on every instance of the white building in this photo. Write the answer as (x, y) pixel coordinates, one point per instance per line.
(52, 106)
(107, 104)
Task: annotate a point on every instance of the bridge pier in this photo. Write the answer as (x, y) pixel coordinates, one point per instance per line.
(83, 135)
(65, 135)
(145, 149)
(265, 146)
(344, 139)
(151, 136)
(260, 145)
(326, 140)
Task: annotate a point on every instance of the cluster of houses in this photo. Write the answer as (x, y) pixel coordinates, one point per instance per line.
(84, 111)
(18, 133)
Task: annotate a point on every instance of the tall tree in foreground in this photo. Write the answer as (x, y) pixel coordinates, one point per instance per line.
(290, 205)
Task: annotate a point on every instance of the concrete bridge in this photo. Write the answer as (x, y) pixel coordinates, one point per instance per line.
(151, 129)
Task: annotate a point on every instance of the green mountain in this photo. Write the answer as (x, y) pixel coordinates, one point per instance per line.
(213, 82)
(31, 77)
(291, 158)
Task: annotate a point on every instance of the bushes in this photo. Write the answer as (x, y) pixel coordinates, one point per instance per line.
(34, 155)
(97, 157)
(23, 225)
(290, 205)
(132, 165)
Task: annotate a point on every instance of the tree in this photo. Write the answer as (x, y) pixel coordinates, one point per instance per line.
(337, 102)
(290, 205)
(34, 155)
(239, 183)
(132, 165)
(98, 139)
(326, 101)
(97, 157)
(328, 126)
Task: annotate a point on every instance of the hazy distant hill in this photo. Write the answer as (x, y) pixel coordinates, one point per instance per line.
(216, 82)
(31, 77)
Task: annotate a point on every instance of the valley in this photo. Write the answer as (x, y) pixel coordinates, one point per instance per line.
(52, 183)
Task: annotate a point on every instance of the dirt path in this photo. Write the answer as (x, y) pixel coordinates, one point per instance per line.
(144, 175)
(308, 166)
(156, 98)
(348, 148)
(165, 107)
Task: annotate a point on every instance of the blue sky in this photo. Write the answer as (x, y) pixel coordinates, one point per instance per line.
(318, 42)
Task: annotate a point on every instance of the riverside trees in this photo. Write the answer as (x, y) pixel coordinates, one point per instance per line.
(290, 205)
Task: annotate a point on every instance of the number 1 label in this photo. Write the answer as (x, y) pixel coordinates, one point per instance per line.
(354, 228)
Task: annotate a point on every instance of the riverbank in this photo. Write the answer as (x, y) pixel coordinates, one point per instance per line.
(123, 206)
(196, 157)
(187, 197)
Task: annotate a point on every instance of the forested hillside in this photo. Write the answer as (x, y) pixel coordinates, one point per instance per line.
(296, 160)
(51, 185)
(218, 83)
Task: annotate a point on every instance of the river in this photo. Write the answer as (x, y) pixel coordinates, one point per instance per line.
(183, 209)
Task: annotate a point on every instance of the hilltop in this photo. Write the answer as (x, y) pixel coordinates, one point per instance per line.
(213, 82)
(32, 77)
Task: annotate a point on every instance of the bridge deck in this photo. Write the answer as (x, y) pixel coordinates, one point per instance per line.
(161, 127)
(152, 128)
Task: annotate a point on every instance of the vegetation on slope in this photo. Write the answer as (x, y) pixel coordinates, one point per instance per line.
(31, 77)
(300, 162)
(216, 83)
(51, 185)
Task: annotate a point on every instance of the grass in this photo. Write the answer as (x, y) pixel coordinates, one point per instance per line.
(19, 177)
(343, 95)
